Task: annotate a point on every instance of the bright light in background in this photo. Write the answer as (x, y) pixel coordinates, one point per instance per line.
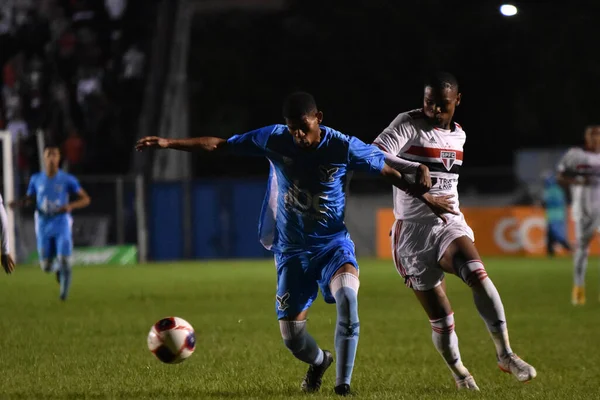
(508, 10)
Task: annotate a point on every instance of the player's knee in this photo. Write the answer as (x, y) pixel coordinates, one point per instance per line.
(472, 272)
(344, 288)
(444, 325)
(46, 265)
(293, 334)
(345, 291)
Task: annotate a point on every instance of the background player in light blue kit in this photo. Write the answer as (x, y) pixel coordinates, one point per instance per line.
(302, 223)
(53, 191)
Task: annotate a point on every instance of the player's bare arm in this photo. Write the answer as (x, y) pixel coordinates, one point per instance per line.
(83, 200)
(423, 179)
(206, 143)
(568, 179)
(439, 205)
(22, 202)
(5, 259)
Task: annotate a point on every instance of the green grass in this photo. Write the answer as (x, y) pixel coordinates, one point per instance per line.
(94, 346)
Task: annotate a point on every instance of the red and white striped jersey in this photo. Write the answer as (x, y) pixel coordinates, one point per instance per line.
(412, 137)
(585, 198)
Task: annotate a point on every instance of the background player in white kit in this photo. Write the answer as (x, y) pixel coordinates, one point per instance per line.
(424, 247)
(580, 169)
(5, 259)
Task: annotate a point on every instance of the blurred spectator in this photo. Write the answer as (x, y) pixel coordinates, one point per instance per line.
(73, 150)
(133, 63)
(17, 127)
(72, 69)
(115, 10)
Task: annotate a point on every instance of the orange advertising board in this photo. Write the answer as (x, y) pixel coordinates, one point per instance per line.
(498, 231)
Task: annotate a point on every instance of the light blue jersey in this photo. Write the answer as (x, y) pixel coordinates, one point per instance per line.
(302, 219)
(554, 200)
(305, 201)
(53, 229)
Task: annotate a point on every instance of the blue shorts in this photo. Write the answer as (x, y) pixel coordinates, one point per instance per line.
(301, 273)
(51, 246)
(557, 229)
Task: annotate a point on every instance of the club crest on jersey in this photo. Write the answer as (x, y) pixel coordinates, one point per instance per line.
(326, 173)
(448, 159)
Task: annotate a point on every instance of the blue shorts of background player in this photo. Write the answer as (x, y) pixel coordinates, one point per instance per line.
(300, 274)
(53, 248)
(556, 233)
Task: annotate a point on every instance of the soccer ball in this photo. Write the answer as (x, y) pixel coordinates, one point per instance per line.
(172, 340)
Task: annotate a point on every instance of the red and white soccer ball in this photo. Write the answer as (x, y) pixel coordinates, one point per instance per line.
(172, 340)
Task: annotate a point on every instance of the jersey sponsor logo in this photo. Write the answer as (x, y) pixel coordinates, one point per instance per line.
(326, 173)
(303, 202)
(448, 158)
(282, 300)
(446, 183)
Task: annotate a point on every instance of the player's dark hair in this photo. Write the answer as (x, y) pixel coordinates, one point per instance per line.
(299, 104)
(51, 146)
(441, 81)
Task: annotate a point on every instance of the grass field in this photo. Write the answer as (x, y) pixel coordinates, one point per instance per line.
(94, 346)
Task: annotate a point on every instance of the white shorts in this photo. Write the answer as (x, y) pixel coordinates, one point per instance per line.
(585, 229)
(417, 249)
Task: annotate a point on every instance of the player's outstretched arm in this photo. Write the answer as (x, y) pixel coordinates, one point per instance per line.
(23, 202)
(206, 143)
(5, 259)
(439, 205)
(422, 180)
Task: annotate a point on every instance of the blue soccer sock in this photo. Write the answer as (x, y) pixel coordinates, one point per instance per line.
(345, 291)
(64, 277)
(300, 343)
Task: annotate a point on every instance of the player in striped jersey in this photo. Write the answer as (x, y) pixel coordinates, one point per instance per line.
(424, 248)
(580, 170)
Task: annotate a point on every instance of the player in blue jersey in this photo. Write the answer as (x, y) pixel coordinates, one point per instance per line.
(52, 191)
(302, 223)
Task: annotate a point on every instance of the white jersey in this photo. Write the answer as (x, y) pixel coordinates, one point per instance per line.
(412, 137)
(585, 198)
(3, 228)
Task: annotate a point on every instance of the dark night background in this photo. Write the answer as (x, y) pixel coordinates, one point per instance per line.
(527, 81)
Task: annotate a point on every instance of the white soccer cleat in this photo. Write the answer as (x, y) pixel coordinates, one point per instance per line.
(512, 364)
(467, 383)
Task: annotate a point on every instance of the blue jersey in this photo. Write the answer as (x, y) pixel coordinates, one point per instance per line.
(52, 194)
(555, 201)
(306, 196)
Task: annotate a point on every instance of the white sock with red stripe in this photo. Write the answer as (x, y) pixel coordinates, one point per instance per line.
(488, 303)
(446, 342)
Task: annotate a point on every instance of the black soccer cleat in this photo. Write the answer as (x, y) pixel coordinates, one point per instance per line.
(343, 389)
(314, 377)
